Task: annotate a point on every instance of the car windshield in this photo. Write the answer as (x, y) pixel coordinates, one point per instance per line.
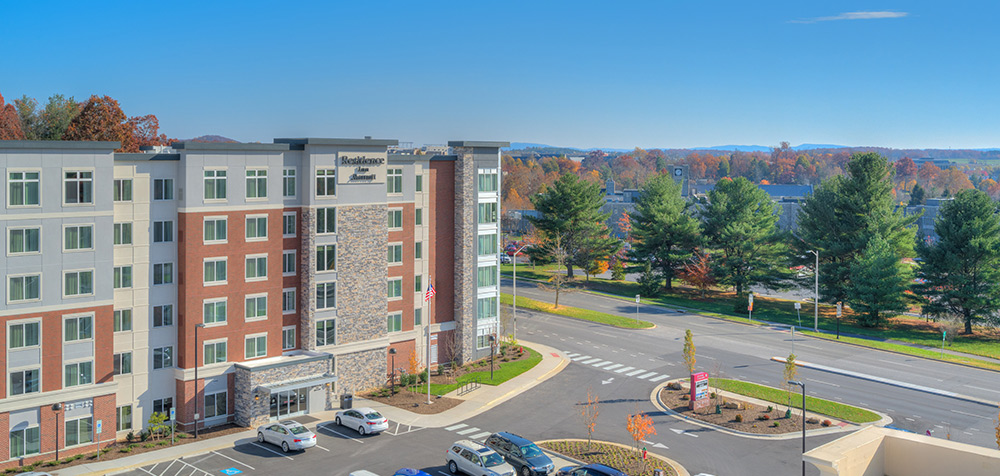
(531, 451)
(373, 415)
(492, 460)
(298, 430)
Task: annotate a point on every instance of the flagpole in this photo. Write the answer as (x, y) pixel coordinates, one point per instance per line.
(430, 282)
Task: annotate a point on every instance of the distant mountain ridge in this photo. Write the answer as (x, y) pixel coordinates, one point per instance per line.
(740, 148)
(212, 138)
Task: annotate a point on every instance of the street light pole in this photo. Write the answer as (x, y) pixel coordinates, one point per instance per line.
(803, 385)
(196, 345)
(493, 347)
(56, 408)
(392, 380)
(515, 289)
(816, 302)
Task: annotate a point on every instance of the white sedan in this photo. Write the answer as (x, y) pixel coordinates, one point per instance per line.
(289, 435)
(365, 420)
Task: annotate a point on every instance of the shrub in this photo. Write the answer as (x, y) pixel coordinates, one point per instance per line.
(130, 437)
(827, 422)
(775, 424)
(770, 409)
(764, 417)
(423, 376)
(739, 418)
(148, 445)
(127, 449)
(712, 395)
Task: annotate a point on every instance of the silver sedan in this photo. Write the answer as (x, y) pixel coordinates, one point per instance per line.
(365, 420)
(289, 435)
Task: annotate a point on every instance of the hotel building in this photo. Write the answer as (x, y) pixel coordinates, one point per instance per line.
(221, 282)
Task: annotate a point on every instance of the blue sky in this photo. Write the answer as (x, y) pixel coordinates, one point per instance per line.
(586, 74)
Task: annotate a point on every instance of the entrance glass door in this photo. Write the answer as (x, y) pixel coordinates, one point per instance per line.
(289, 403)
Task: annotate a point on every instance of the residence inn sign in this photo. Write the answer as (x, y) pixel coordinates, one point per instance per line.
(360, 167)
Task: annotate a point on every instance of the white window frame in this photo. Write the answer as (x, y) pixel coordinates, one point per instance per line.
(215, 398)
(152, 360)
(24, 436)
(496, 279)
(215, 261)
(394, 322)
(164, 182)
(119, 190)
(119, 319)
(79, 180)
(23, 181)
(78, 317)
(284, 339)
(163, 308)
(164, 408)
(78, 272)
(295, 293)
(491, 252)
(336, 332)
(284, 224)
(77, 363)
(256, 300)
(225, 184)
(285, 176)
(496, 180)
(66, 249)
(119, 234)
(10, 240)
(394, 180)
(480, 209)
(329, 176)
(391, 248)
(21, 370)
(325, 213)
(256, 263)
(214, 220)
(120, 358)
(320, 263)
(119, 277)
(389, 284)
(284, 261)
(216, 321)
(23, 322)
(246, 228)
(325, 301)
(256, 336)
(11, 277)
(214, 343)
(392, 212)
(256, 178)
(120, 418)
(418, 250)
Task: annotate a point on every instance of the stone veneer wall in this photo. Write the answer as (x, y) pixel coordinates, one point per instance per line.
(362, 302)
(465, 252)
(251, 412)
(307, 279)
(360, 371)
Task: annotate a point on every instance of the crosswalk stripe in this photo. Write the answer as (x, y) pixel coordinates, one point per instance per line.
(661, 377)
(626, 369)
(571, 354)
(637, 372)
(577, 359)
(602, 364)
(647, 375)
(467, 431)
(479, 436)
(455, 427)
(612, 367)
(588, 362)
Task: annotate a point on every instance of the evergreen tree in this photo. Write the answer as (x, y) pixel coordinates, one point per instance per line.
(918, 196)
(740, 222)
(962, 269)
(571, 216)
(845, 213)
(649, 281)
(663, 228)
(878, 283)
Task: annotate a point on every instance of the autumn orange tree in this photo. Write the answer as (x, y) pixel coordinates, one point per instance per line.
(698, 272)
(102, 119)
(589, 412)
(414, 363)
(10, 123)
(640, 426)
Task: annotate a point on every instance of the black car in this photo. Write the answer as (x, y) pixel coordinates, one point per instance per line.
(590, 470)
(526, 457)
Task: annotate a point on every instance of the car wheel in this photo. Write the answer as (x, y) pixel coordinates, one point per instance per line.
(453, 467)
(284, 446)
(337, 421)
(525, 471)
(361, 430)
(260, 437)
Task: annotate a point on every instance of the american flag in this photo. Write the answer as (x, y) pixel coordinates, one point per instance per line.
(430, 292)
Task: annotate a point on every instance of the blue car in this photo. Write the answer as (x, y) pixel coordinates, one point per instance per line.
(410, 472)
(590, 470)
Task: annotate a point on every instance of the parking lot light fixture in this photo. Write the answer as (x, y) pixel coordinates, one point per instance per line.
(803, 385)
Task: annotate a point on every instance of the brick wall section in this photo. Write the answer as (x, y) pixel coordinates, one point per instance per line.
(5, 442)
(465, 251)
(293, 281)
(103, 409)
(405, 270)
(440, 248)
(355, 371)
(361, 270)
(185, 401)
(403, 350)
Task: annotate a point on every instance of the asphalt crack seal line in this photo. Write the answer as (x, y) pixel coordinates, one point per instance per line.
(887, 381)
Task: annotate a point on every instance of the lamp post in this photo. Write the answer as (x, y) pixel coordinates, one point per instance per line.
(803, 385)
(392, 380)
(196, 345)
(515, 288)
(493, 348)
(57, 407)
(816, 302)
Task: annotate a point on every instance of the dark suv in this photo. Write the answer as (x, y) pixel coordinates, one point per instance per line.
(527, 458)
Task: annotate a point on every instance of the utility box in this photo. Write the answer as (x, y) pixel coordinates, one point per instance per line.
(346, 401)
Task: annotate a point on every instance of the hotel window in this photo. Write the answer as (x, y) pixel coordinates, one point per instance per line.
(25, 442)
(394, 181)
(256, 183)
(124, 417)
(288, 263)
(487, 276)
(23, 188)
(256, 268)
(163, 231)
(78, 283)
(123, 363)
(163, 273)
(163, 315)
(123, 277)
(24, 334)
(215, 270)
(288, 182)
(123, 234)
(214, 311)
(24, 288)
(254, 347)
(326, 295)
(326, 220)
(79, 187)
(418, 283)
(395, 219)
(163, 357)
(326, 258)
(215, 185)
(418, 216)
(417, 314)
(288, 338)
(123, 320)
(486, 308)
(79, 373)
(215, 405)
(216, 230)
(24, 240)
(326, 332)
(395, 254)
(482, 340)
(394, 323)
(78, 237)
(163, 406)
(255, 308)
(79, 431)
(487, 213)
(215, 352)
(326, 182)
(25, 381)
(256, 228)
(123, 190)
(163, 189)
(288, 225)
(288, 301)
(418, 250)
(420, 183)
(488, 245)
(488, 180)
(395, 287)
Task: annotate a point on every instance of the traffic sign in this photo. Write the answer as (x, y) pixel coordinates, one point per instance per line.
(100, 423)
(839, 308)
(171, 413)
(637, 299)
(798, 306)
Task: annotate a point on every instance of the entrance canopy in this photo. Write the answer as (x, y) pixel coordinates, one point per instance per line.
(295, 384)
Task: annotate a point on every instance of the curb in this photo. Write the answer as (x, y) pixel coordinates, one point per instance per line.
(681, 470)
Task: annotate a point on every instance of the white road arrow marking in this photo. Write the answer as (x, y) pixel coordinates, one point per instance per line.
(659, 445)
(683, 432)
(605, 382)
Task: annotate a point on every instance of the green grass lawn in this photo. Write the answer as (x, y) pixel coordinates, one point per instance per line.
(503, 372)
(779, 396)
(577, 313)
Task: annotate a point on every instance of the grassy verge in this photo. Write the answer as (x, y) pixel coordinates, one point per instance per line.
(577, 313)
(502, 373)
(779, 396)
(622, 459)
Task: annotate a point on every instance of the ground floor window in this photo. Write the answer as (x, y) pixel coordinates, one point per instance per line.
(25, 442)
(79, 431)
(125, 418)
(163, 406)
(215, 405)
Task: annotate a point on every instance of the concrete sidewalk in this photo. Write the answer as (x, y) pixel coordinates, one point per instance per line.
(476, 402)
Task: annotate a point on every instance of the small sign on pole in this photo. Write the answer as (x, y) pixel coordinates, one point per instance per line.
(97, 431)
(840, 308)
(173, 426)
(798, 312)
(944, 334)
(100, 424)
(750, 305)
(637, 299)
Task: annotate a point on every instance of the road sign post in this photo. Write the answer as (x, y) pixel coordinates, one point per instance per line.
(637, 309)
(97, 431)
(944, 334)
(173, 426)
(798, 312)
(750, 306)
(839, 312)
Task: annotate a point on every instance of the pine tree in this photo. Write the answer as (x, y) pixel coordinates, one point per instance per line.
(663, 227)
(879, 280)
(740, 222)
(962, 269)
(918, 196)
(649, 281)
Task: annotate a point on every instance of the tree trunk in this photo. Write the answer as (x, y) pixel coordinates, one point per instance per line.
(668, 276)
(557, 297)
(569, 271)
(968, 324)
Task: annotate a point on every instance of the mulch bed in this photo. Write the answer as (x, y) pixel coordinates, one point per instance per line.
(753, 415)
(625, 460)
(417, 402)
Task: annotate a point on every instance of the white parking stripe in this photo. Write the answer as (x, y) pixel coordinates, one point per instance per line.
(232, 459)
(661, 377)
(322, 448)
(269, 449)
(646, 376)
(588, 362)
(637, 372)
(468, 430)
(625, 369)
(577, 359)
(602, 364)
(612, 367)
(455, 427)
(146, 470)
(331, 430)
(478, 436)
